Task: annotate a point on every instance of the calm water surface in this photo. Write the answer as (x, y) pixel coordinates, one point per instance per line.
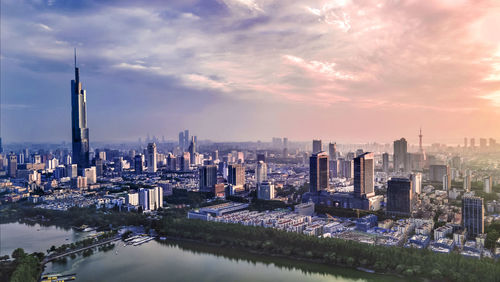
(155, 261)
(34, 238)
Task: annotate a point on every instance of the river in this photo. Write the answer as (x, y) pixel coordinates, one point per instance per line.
(172, 261)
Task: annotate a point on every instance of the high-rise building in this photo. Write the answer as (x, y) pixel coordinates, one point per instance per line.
(186, 139)
(346, 168)
(317, 147)
(144, 199)
(208, 178)
(80, 132)
(192, 149)
(436, 172)
(467, 180)
(12, 165)
(447, 182)
(473, 215)
(20, 158)
(482, 143)
(318, 172)
(488, 184)
(99, 167)
(472, 143)
(492, 143)
(171, 162)
(334, 168)
(399, 196)
(332, 151)
(465, 142)
(152, 157)
(72, 170)
(151, 198)
(139, 164)
(102, 155)
(285, 143)
(385, 162)
(90, 174)
(181, 140)
(185, 161)
(266, 191)
(363, 175)
(400, 155)
(261, 172)
(416, 182)
(236, 174)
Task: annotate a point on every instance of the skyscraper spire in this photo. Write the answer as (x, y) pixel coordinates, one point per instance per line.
(80, 131)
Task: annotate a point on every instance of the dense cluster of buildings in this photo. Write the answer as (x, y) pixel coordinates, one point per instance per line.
(366, 177)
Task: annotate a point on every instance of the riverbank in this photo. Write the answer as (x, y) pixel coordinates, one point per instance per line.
(275, 243)
(279, 260)
(335, 252)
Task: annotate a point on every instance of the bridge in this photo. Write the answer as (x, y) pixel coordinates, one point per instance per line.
(69, 252)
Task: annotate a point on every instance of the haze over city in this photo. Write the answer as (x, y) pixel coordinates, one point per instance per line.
(348, 71)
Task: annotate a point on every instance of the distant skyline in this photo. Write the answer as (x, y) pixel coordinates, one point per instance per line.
(247, 70)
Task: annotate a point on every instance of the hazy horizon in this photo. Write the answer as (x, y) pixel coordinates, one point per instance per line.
(248, 70)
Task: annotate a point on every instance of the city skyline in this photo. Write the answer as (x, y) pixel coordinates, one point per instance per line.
(254, 82)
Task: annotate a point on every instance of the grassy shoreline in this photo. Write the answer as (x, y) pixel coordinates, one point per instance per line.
(273, 243)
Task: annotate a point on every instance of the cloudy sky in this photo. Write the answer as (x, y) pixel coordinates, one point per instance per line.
(344, 70)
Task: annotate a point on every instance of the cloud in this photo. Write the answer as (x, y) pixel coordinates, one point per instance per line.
(44, 27)
(425, 58)
(494, 98)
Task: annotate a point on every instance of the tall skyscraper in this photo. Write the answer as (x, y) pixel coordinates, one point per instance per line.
(208, 178)
(467, 180)
(192, 149)
(12, 165)
(473, 215)
(318, 172)
(332, 151)
(472, 143)
(401, 155)
(385, 162)
(317, 147)
(151, 157)
(261, 172)
(363, 175)
(181, 140)
(399, 196)
(186, 139)
(465, 142)
(236, 175)
(80, 132)
(488, 184)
